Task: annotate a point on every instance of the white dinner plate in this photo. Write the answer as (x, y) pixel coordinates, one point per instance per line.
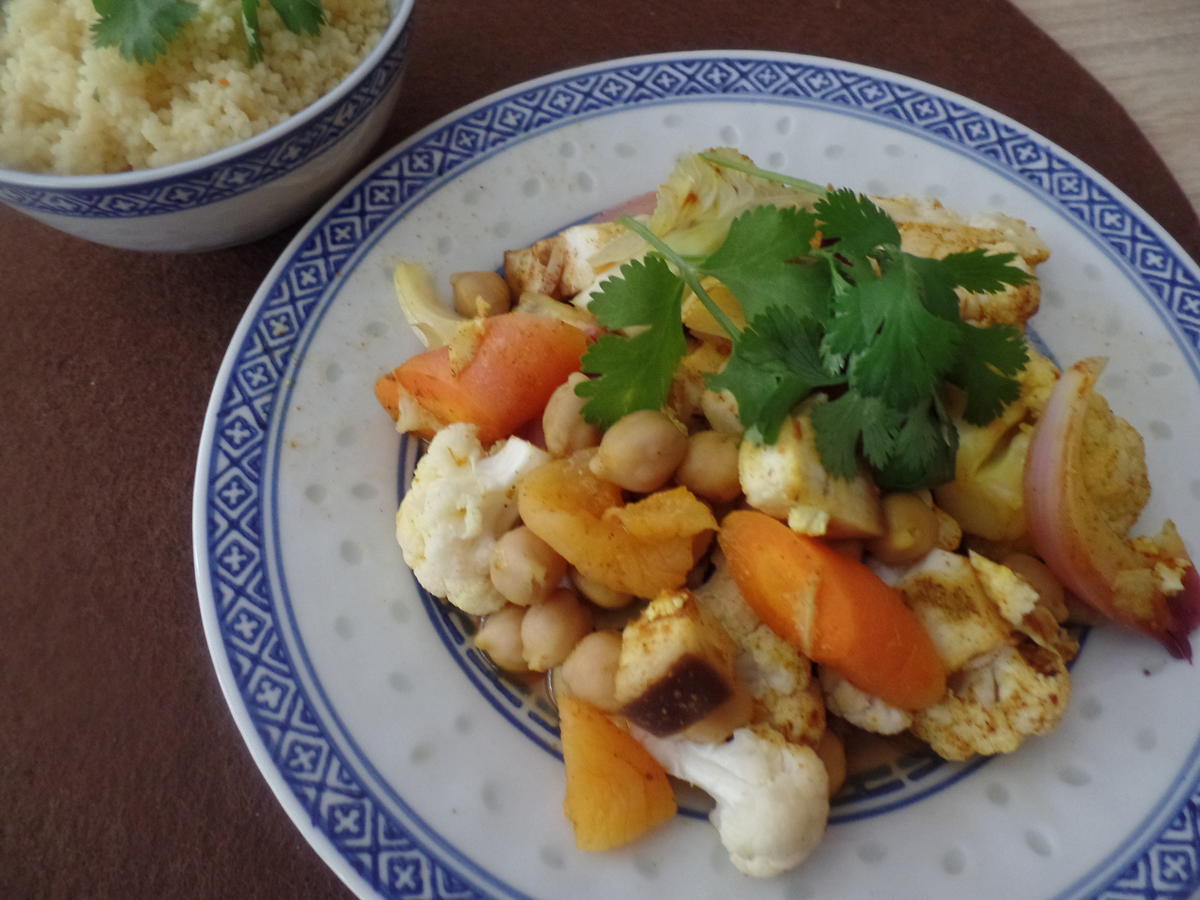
(414, 771)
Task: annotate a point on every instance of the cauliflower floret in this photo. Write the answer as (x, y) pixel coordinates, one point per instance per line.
(1014, 597)
(1114, 456)
(929, 229)
(459, 504)
(787, 480)
(771, 795)
(859, 708)
(1005, 652)
(995, 703)
(559, 265)
(945, 593)
(777, 676)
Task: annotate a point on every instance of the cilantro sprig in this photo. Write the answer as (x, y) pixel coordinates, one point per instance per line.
(142, 30)
(831, 303)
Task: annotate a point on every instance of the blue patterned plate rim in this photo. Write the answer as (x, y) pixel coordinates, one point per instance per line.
(1174, 282)
(138, 177)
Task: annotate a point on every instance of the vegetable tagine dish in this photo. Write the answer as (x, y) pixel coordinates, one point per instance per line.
(755, 467)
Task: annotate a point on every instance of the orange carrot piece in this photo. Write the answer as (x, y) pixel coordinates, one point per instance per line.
(616, 791)
(519, 361)
(834, 609)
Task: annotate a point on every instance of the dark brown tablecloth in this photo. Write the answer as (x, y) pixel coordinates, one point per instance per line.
(121, 772)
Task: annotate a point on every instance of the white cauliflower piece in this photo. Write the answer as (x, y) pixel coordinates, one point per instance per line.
(945, 593)
(560, 265)
(1005, 652)
(771, 795)
(1014, 597)
(787, 480)
(929, 229)
(859, 708)
(778, 676)
(459, 504)
(996, 702)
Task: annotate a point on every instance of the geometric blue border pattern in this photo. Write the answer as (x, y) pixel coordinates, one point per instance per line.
(230, 177)
(395, 862)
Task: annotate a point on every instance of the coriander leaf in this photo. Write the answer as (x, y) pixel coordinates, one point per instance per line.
(250, 27)
(140, 29)
(903, 350)
(989, 359)
(857, 224)
(840, 424)
(757, 260)
(983, 272)
(936, 286)
(634, 372)
(301, 16)
(924, 452)
(776, 363)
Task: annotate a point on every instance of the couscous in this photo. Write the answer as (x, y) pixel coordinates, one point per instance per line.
(71, 108)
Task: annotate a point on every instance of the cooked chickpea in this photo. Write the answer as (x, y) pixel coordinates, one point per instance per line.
(472, 287)
(600, 594)
(590, 670)
(550, 630)
(1041, 579)
(641, 451)
(832, 752)
(710, 466)
(563, 423)
(524, 568)
(911, 530)
(500, 638)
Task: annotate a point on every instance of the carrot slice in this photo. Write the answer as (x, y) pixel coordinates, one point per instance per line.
(519, 361)
(616, 791)
(834, 609)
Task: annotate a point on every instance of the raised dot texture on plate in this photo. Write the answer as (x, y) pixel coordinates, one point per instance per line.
(1073, 775)
(1039, 842)
(954, 861)
(364, 491)
(1160, 429)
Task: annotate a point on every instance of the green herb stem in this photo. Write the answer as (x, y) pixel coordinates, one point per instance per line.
(748, 168)
(686, 271)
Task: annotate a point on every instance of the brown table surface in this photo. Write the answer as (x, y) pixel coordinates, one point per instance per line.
(121, 771)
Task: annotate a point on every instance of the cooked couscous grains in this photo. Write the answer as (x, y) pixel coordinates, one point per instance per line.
(71, 108)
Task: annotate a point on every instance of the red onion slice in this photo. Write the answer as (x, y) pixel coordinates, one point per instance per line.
(1077, 543)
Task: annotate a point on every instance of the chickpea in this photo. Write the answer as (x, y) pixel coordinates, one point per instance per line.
(600, 594)
(832, 752)
(1037, 573)
(550, 630)
(563, 423)
(480, 294)
(524, 568)
(500, 638)
(590, 670)
(910, 530)
(710, 466)
(641, 451)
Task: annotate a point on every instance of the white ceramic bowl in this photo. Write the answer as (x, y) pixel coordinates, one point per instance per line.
(237, 194)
